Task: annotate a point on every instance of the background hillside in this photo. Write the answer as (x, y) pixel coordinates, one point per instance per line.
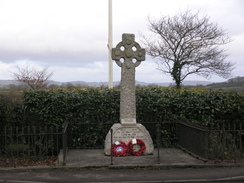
(6, 83)
(234, 84)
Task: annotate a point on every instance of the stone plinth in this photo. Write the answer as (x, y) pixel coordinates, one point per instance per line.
(126, 133)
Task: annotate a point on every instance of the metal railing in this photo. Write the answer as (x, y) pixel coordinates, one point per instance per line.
(31, 145)
(226, 142)
(193, 139)
(34, 145)
(219, 142)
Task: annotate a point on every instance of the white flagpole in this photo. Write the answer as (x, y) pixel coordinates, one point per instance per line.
(110, 44)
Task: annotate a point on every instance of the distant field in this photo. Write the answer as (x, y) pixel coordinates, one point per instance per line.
(4, 91)
(8, 91)
(237, 89)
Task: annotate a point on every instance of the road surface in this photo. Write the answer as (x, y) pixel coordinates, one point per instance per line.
(222, 174)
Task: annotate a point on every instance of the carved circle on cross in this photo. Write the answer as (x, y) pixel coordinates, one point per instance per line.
(129, 51)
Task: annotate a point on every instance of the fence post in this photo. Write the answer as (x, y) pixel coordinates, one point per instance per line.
(65, 148)
(206, 143)
(240, 133)
(158, 141)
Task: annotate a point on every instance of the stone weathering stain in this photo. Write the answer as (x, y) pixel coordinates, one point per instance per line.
(128, 54)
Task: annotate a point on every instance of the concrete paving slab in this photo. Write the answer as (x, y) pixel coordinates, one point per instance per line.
(96, 159)
(84, 158)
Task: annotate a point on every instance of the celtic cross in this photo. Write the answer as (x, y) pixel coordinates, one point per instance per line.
(128, 54)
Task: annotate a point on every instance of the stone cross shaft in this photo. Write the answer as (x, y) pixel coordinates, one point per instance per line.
(128, 54)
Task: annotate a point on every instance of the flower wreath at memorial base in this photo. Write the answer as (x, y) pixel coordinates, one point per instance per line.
(119, 148)
(138, 142)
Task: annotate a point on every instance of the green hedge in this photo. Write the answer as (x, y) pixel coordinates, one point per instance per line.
(11, 110)
(87, 104)
(53, 107)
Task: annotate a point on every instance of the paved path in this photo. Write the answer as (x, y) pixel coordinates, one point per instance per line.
(93, 166)
(89, 159)
(96, 158)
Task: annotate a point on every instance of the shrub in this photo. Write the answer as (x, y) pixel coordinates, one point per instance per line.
(11, 112)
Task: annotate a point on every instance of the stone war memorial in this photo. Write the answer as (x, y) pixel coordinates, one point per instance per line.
(128, 54)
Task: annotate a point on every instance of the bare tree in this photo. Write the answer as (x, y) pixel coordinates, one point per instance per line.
(186, 44)
(34, 78)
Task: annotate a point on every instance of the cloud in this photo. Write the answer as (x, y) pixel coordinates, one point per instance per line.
(70, 36)
(96, 71)
(51, 30)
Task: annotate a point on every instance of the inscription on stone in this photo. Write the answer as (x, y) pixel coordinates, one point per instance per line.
(128, 133)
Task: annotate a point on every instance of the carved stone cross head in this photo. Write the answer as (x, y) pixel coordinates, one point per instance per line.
(128, 52)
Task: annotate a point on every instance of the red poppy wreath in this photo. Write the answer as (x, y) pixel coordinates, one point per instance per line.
(119, 148)
(139, 151)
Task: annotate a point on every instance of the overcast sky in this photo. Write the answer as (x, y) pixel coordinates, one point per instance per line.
(70, 36)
